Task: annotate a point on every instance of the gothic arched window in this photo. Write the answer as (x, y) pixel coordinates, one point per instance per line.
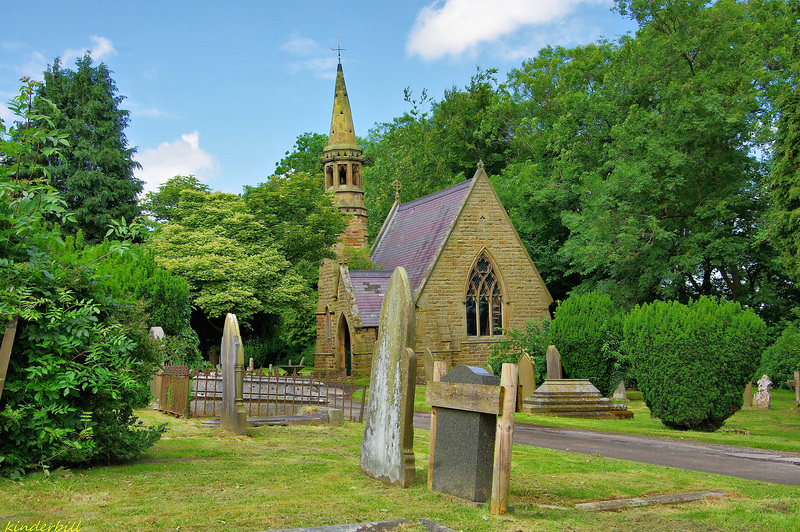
(484, 300)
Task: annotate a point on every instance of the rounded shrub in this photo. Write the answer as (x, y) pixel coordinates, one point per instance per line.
(587, 331)
(693, 361)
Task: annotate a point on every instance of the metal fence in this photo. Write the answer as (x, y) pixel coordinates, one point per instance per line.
(199, 393)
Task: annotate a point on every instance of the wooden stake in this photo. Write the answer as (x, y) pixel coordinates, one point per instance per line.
(501, 476)
(5, 350)
(439, 371)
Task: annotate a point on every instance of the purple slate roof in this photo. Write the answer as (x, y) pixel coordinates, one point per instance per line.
(417, 230)
(369, 287)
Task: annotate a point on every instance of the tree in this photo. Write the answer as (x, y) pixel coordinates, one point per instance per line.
(95, 175)
(305, 157)
(161, 203)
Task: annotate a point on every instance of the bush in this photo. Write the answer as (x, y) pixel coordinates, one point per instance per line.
(587, 331)
(534, 339)
(693, 361)
(782, 358)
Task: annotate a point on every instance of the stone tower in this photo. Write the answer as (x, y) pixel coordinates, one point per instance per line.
(342, 162)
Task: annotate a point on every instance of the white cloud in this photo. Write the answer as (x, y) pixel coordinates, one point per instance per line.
(148, 112)
(101, 48)
(310, 57)
(179, 157)
(459, 27)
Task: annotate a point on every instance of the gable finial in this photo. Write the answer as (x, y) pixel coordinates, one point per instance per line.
(339, 50)
(480, 164)
(396, 185)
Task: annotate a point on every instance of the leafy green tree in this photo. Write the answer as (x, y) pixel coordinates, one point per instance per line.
(782, 358)
(534, 340)
(587, 331)
(161, 203)
(692, 362)
(305, 157)
(95, 174)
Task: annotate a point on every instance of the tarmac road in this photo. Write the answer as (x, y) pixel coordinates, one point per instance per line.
(742, 462)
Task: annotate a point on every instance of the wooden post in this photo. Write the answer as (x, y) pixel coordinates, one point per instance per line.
(5, 350)
(439, 371)
(501, 476)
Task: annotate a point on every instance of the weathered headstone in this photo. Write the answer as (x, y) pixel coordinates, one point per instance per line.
(747, 397)
(553, 363)
(233, 416)
(620, 394)
(797, 388)
(250, 365)
(762, 399)
(213, 356)
(427, 362)
(464, 458)
(156, 333)
(527, 376)
(387, 450)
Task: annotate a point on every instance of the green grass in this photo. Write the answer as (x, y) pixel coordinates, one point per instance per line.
(776, 429)
(285, 477)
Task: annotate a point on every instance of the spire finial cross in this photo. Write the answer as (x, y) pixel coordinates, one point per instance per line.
(396, 185)
(339, 50)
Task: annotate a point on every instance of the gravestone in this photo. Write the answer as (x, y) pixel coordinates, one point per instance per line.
(527, 376)
(250, 365)
(427, 362)
(233, 416)
(747, 397)
(387, 452)
(620, 394)
(464, 458)
(797, 388)
(156, 333)
(553, 363)
(762, 398)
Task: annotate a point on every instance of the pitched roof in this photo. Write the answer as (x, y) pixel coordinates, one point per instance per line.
(369, 287)
(415, 231)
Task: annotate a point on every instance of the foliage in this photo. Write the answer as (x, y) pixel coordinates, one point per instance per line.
(587, 331)
(358, 259)
(534, 340)
(160, 204)
(78, 364)
(693, 361)
(305, 157)
(95, 174)
(782, 358)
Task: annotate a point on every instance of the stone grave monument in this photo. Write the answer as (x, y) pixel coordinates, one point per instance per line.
(427, 362)
(233, 416)
(762, 398)
(553, 363)
(464, 456)
(527, 376)
(620, 394)
(387, 452)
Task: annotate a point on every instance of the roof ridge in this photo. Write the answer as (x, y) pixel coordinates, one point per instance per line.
(435, 195)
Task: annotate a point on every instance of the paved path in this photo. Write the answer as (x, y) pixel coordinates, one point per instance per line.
(742, 462)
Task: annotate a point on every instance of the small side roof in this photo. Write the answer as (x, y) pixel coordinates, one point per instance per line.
(369, 287)
(415, 231)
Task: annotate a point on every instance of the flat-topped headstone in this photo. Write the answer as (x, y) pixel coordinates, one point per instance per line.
(527, 376)
(387, 450)
(464, 457)
(762, 398)
(553, 363)
(233, 415)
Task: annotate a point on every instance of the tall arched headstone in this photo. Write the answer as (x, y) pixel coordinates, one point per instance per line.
(233, 416)
(387, 452)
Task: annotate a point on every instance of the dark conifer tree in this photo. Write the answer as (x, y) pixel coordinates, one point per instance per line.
(95, 175)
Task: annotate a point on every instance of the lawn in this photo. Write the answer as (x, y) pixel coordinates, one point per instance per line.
(283, 477)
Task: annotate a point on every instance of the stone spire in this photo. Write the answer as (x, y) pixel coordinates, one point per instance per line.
(342, 160)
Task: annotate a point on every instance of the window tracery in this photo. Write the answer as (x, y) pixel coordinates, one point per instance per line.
(484, 300)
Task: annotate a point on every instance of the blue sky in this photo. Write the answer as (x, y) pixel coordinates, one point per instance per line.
(222, 89)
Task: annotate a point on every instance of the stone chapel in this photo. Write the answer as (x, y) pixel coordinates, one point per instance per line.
(470, 273)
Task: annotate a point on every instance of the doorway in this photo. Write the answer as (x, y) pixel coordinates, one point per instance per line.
(343, 349)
